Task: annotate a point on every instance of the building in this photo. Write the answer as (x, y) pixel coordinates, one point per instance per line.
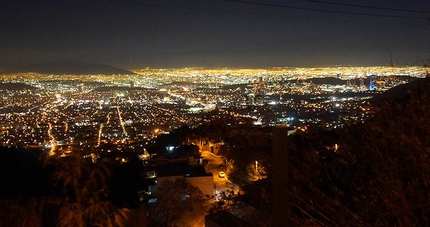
(371, 82)
(195, 175)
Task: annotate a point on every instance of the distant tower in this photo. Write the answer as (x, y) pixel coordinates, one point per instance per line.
(251, 98)
(361, 82)
(261, 87)
(81, 87)
(353, 82)
(371, 85)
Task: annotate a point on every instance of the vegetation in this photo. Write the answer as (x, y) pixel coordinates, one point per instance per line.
(82, 199)
(179, 204)
(377, 176)
(243, 148)
(371, 174)
(68, 191)
(18, 212)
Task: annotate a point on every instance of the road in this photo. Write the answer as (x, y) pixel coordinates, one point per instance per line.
(221, 184)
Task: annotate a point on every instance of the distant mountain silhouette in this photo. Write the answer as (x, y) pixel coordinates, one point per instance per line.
(116, 88)
(15, 86)
(6, 68)
(326, 80)
(71, 68)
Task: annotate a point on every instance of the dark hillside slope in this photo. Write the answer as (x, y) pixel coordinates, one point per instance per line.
(403, 93)
(21, 173)
(378, 176)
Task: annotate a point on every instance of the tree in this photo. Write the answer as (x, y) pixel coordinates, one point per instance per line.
(179, 204)
(82, 198)
(15, 212)
(139, 217)
(243, 147)
(379, 173)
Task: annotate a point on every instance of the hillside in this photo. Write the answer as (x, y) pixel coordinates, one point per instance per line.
(403, 93)
(377, 174)
(15, 86)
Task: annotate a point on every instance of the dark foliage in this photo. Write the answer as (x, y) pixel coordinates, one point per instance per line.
(178, 204)
(21, 173)
(125, 183)
(245, 145)
(378, 176)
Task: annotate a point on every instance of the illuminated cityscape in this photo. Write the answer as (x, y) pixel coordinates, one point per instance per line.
(220, 113)
(109, 112)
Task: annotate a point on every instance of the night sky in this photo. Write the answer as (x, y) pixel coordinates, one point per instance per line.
(215, 33)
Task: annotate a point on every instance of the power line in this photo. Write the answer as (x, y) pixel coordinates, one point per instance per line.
(325, 10)
(257, 14)
(369, 7)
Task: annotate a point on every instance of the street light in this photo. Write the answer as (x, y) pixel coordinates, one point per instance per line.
(256, 167)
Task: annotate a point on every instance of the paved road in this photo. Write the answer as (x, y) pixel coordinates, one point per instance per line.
(221, 184)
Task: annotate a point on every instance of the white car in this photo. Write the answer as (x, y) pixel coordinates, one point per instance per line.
(221, 174)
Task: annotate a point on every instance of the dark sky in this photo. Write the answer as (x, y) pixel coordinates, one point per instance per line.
(215, 33)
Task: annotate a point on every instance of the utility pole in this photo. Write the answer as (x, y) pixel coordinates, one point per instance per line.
(280, 210)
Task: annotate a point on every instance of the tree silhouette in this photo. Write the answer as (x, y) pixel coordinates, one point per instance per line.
(82, 198)
(377, 176)
(244, 146)
(16, 212)
(179, 204)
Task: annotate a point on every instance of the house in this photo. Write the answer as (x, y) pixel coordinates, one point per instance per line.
(195, 175)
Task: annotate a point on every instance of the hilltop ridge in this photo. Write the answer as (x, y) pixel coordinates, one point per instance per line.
(70, 68)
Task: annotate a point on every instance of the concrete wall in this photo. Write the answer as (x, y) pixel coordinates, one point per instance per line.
(160, 180)
(204, 183)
